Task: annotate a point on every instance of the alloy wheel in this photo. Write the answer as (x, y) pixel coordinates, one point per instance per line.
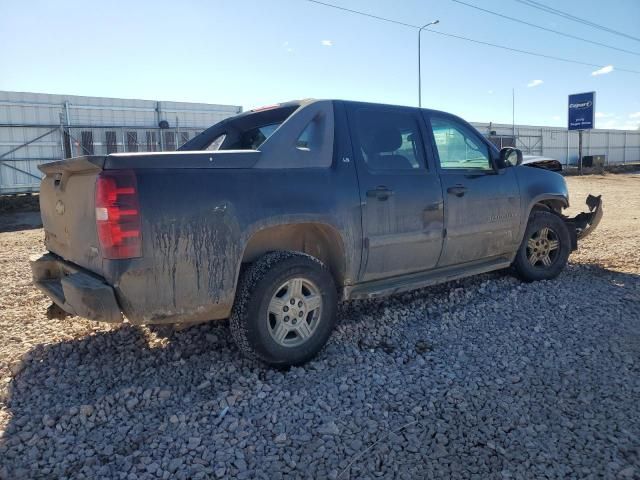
(294, 312)
(543, 248)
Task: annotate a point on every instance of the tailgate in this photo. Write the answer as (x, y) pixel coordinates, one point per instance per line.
(67, 206)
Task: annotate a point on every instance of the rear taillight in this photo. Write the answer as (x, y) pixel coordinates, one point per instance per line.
(118, 214)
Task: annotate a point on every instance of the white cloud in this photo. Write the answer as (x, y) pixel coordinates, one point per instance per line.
(634, 115)
(609, 124)
(490, 92)
(327, 43)
(534, 83)
(286, 46)
(603, 115)
(603, 70)
(556, 117)
(616, 124)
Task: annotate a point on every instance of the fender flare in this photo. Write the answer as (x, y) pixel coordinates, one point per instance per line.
(556, 197)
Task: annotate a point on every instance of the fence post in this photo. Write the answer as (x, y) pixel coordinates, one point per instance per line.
(62, 155)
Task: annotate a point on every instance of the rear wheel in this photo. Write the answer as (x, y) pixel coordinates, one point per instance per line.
(285, 308)
(545, 248)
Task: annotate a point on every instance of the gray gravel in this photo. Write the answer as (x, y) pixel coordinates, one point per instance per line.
(483, 378)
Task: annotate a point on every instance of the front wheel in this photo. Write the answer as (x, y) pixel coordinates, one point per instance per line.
(285, 308)
(545, 248)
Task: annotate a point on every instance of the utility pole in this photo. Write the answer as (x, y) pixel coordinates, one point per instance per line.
(419, 63)
(513, 114)
(580, 151)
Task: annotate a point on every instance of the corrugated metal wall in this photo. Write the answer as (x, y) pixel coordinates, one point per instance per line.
(33, 126)
(620, 146)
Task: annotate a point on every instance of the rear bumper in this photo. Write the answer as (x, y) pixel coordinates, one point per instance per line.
(75, 290)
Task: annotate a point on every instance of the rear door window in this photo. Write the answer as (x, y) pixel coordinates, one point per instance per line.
(389, 139)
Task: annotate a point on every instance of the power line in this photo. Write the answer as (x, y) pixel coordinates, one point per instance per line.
(364, 14)
(527, 52)
(545, 28)
(460, 37)
(573, 18)
(555, 11)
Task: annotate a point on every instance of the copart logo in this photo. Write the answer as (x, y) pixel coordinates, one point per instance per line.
(581, 105)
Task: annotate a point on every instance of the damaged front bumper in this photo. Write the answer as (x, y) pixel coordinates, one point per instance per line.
(584, 223)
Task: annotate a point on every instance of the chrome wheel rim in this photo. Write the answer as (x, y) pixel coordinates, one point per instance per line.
(543, 248)
(294, 312)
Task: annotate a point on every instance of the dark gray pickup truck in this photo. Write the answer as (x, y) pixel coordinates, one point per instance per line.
(270, 217)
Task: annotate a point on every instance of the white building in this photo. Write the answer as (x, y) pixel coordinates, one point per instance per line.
(618, 146)
(37, 128)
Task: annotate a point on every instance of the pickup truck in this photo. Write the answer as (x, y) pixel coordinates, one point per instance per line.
(270, 217)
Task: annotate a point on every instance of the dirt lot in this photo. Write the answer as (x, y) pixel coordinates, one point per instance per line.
(615, 244)
(451, 381)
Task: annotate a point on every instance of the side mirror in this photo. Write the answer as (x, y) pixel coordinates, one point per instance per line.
(510, 156)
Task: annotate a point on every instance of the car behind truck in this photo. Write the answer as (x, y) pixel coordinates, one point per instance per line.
(269, 218)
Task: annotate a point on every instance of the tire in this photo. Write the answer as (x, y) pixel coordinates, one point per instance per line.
(263, 310)
(536, 258)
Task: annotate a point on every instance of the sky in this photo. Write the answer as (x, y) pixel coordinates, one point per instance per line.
(253, 53)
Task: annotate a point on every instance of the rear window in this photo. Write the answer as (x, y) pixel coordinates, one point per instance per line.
(215, 145)
(244, 132)
(252, 139)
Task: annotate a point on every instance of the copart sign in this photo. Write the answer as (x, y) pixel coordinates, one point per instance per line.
(582, 107)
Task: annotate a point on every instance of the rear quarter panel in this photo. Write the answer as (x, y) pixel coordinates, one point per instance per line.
(196, 223)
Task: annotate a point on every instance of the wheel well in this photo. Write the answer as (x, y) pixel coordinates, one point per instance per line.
(318, 240)
(549, 205)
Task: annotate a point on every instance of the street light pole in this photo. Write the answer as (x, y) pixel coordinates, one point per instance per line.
(419, 62)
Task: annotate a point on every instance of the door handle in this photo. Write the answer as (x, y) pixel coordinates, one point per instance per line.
(381, 193)
(457, 190)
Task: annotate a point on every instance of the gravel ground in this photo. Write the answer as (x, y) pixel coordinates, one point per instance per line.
(481, 378)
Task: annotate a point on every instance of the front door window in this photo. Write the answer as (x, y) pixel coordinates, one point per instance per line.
(458, 147)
